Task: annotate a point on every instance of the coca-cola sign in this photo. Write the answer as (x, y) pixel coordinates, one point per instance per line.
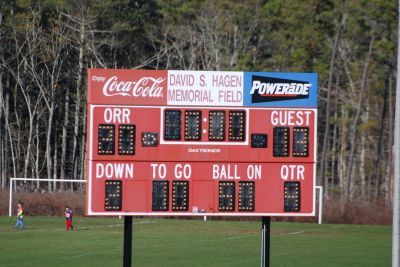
(127, 87)
(143, 87)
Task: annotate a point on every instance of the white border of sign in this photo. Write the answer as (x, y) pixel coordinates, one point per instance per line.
(163, 142)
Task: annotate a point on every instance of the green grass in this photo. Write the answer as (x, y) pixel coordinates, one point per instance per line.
(156, 242)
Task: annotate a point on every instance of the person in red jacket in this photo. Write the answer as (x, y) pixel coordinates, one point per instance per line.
(68, 218)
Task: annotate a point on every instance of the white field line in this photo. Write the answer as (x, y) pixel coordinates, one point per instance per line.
(95, 252)
(295, 233)
(238, 237)
(77, 228)
(286, 234)
(315, 230)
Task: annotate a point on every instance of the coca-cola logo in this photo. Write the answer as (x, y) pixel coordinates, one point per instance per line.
(144, 87)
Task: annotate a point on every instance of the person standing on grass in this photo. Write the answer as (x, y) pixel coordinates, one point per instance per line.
(68, 218)
(20, 217)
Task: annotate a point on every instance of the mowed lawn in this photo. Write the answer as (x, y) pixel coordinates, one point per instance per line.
(161, 242)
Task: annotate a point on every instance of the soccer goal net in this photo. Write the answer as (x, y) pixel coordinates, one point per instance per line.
(37, 187)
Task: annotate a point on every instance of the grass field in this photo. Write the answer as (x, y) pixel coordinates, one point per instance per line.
(156, 242)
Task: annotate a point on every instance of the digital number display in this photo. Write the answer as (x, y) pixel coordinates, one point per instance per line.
(160, 195)
(246, 196)
(126, 141)
(281, 142)
(217, 121)
(172, 125)
(180, 195)
(237, 126)
(226, 196)
(113, 195)
(106, 139)
(292, 196)
(193, 125)
(300, 141)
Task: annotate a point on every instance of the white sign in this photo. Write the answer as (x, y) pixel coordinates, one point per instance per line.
(205, 88)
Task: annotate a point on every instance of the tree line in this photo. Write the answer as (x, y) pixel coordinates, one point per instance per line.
(47, 46)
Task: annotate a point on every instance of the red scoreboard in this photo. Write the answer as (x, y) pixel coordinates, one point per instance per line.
(201, 143)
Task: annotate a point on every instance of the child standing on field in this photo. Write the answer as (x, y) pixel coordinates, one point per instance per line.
(20, 217)
(68, 218)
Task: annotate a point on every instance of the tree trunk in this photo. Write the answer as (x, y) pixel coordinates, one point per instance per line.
(64, 138)
(55, 156)
(342, 155)
(363, 177)
(334, 157)
(378, 161)
(83, 146)
(2, 174)
(17, 132)
(28, 148)
(9, 132)
(353, 129)
(78, 104)
(324, 152)
(48, 144)
(335, 144)
(389, 164)
(37, 170)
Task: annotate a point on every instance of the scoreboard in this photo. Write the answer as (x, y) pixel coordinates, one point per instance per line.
(187, 143)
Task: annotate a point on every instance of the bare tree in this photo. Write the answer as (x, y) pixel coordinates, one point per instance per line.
(324, 153)
(353, 130)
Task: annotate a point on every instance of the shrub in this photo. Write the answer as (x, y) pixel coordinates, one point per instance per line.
(335, 211)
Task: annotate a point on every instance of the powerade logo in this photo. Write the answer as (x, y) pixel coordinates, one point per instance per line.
(267, 89)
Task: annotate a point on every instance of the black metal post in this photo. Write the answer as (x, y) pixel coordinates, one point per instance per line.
(265, 241)
(127, 241)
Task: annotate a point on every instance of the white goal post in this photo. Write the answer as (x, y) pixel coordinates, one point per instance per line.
(37, 180)
(320, 203)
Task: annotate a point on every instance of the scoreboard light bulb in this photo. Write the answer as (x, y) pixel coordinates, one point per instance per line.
(236, 126)
(291, 196)
(281, 142)
(172, 125)
(105, 138)
(193, 125)
(300, 142)
(216, 125)
(149, 139)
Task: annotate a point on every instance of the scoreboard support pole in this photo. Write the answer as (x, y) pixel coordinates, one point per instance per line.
(127, 241)
(265, 241)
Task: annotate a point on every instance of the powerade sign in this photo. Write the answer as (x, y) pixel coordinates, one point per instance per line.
(280, 89)
(266, 89)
